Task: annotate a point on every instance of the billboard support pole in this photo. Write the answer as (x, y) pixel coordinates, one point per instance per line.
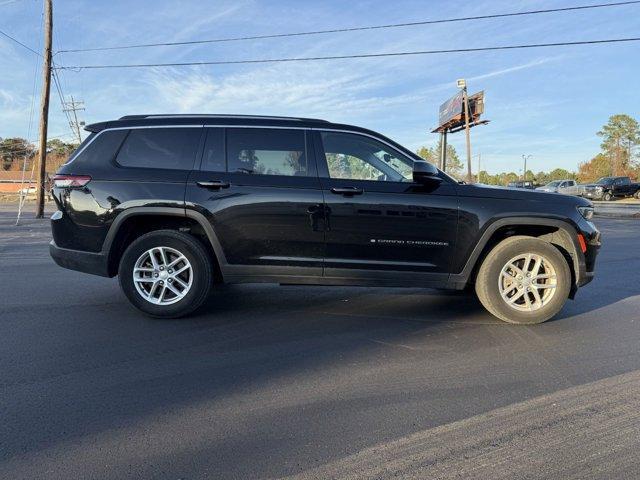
(443, 150)
(467, 133)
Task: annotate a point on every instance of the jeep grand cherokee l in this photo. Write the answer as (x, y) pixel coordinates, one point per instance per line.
(175, 204)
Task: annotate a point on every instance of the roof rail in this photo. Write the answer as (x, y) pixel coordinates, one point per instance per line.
(257, 117)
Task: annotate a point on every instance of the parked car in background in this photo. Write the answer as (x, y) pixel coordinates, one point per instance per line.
(567, 187)
(522, 184)
(608, 188)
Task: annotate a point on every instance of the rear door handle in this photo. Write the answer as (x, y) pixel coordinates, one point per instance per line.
(214, 184)
(347, 191)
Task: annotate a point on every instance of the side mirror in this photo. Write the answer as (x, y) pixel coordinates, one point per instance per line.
(424, 172)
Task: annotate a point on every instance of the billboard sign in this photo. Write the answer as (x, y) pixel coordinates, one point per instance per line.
(452, 110)
(476, 105)
(451, 114)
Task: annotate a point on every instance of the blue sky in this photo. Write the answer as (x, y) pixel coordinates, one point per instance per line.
(545, 102)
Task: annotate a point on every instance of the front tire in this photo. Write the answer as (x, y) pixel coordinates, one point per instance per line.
(166, 274)
(607, 197)
(523, 280)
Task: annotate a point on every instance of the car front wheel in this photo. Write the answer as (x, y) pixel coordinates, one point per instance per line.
(524, 280)
(166, 274)
(607, 197)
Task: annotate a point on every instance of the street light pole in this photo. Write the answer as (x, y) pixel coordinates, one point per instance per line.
(524, 172)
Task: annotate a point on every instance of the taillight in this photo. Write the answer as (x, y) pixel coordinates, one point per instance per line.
(70, 181)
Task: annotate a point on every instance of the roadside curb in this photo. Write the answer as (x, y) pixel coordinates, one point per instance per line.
(608, 209)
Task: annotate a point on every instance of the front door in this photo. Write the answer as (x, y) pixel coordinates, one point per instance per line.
(260, 191)
(381, 225)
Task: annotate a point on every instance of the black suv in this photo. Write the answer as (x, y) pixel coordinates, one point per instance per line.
(175, 204)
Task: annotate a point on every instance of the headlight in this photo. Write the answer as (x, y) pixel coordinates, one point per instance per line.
(586, 212)
(599, 189)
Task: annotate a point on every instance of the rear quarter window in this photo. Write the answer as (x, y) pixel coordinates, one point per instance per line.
(164, 148)
(98, 148)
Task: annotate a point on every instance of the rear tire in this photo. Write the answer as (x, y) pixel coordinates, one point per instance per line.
(503, 292)
(173, 273)
(637, 195)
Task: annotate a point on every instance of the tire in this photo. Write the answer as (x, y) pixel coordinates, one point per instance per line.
(607, 197)
(637, 195)
(489, 278)
(198, 275)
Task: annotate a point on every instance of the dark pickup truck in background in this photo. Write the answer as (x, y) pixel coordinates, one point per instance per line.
(608, 188)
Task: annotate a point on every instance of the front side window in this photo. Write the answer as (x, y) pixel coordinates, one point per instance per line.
(356, 157)
(168, 148)
(267, 151)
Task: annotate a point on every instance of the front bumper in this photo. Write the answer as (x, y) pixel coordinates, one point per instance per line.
(587, 265)
(593, 195)
(87, 262)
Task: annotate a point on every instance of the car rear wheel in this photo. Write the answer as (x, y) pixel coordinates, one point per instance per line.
(524, 280)
(166, 274)
(637, 194)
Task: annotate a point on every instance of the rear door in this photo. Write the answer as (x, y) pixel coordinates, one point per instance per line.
(259, 189)
(381, 225)
(622, 186)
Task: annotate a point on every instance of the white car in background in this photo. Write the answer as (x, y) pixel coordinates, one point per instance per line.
(566, 187)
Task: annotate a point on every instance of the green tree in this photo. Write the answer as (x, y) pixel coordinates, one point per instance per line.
(432, 155)
(58, 147)
(620, 136)
(13, 150)
(560, 174)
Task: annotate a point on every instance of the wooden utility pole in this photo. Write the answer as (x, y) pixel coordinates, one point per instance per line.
(44, 108)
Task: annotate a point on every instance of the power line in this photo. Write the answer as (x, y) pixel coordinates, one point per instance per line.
(19, 42)
(345, 57)
(354, 29)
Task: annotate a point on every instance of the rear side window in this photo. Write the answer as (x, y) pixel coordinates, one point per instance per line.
(168, 148)
(98, 148)
(267, 151)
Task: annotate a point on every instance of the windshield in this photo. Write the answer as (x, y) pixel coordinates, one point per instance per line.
(604, 181)
(553, 184)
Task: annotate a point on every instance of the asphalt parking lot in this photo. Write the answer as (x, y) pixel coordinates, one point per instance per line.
(310, 382)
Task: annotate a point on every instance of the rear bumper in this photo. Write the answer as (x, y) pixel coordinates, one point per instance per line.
(87, 262)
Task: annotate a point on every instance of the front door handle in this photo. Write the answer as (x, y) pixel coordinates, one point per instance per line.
(214, 184)
(347, 191)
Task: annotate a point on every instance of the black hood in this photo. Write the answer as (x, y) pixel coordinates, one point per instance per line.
(507, 193)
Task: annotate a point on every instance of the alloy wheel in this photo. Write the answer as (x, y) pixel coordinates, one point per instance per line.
(527, 282)
(162, 275)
